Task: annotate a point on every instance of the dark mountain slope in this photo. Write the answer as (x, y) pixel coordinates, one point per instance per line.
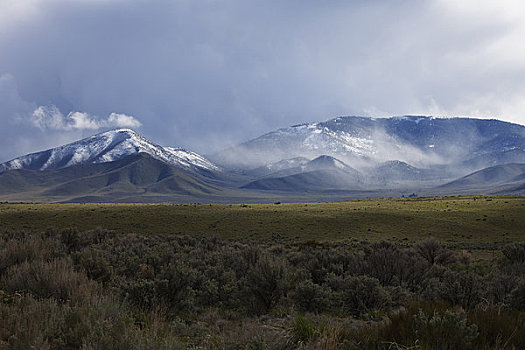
(137, 173)
(311, 181)
(506, 175)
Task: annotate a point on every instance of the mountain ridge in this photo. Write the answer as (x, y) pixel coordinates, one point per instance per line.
(137, 173)
(106, 147)
(344, 156)
(420, 141)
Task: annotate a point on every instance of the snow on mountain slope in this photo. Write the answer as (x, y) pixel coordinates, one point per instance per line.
(354, 140)
(363, 142)
(106, 147)
(327, 162)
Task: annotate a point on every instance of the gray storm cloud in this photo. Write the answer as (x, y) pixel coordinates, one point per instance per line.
(207, 74)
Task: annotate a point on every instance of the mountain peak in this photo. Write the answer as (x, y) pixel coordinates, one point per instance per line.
(327, 162)
(123, 130)
(105, 147)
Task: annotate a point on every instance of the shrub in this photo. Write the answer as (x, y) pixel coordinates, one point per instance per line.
(363, 294)
(517, 297)
(24, 249)
(309, 296)
(462, 288)
(98, 324)
(174, 287)
(448, 331)
(393, 266)
(433, 252)
(266, 281)
(141, 294)
(55, 279)
(499, 284)
(71, 239)
(385, 261)
(434, 326)
(514, 252)
(94, 264)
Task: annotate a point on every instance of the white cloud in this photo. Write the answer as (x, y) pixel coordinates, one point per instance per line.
(50, 118)
(26, 128)
(123, 120)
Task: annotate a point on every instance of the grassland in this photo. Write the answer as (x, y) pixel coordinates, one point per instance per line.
(360, 274)
(452, 220)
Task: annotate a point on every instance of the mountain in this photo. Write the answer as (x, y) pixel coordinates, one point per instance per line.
(321, 174)
(493, 179)
(517, 190)
(395, 172)
(456, 145)
(285, 166)
(107, 147)
(347, 156)
(327, 162)
(310, 181)
(135, 174)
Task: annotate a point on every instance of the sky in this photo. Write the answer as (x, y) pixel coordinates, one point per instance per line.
(208, 74)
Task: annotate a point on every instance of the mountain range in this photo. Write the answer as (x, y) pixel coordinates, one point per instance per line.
(345, 157)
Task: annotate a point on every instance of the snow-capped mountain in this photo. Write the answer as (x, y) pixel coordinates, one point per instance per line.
(107, 147)
(352, 156)
(361, 142)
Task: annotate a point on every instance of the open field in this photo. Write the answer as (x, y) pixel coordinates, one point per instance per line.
(452, 220)
(361, 274)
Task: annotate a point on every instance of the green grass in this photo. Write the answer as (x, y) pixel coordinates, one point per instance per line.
(453, 220)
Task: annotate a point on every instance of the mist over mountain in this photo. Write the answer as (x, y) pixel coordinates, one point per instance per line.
(347, 156)
(462, 144)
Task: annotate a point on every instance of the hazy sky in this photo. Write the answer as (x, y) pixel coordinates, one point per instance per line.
(207, 74)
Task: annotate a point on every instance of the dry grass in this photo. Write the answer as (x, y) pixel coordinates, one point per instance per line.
(469, 221)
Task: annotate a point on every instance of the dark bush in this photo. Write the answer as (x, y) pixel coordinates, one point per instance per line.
(433, 252)
(71, 239)
(498, 285)
(141, 294)
(462, 288)
(309, 296)
(94, 264)
(517, 297)
(362, 294)
(514, 252)
(66, 289)
(266, 281)
(386, 262)
(174, 287)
